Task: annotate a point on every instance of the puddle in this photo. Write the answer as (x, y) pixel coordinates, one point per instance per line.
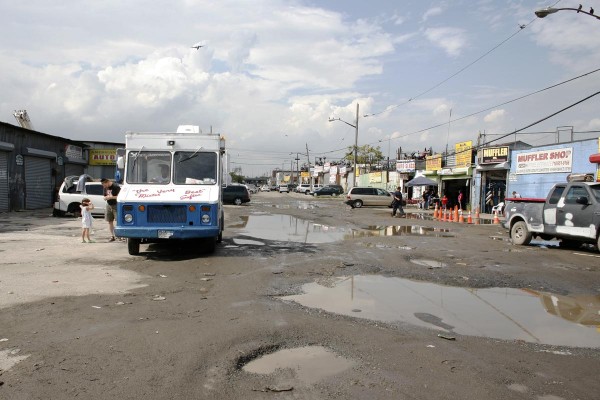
(247, 242)
(429, 263)
(502, 313)
(302, 205)
(399, 230)
(289, 228)
(310, 364)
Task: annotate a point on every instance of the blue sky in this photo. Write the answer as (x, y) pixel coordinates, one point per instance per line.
(272, 72)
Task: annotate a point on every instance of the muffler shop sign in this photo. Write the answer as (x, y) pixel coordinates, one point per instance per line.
(544, 162)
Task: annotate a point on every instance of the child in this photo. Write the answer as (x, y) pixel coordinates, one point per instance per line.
(86, 219)
(444, 202)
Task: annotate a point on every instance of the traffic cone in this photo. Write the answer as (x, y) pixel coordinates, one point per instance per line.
(435, 212)
(461, 218)
(455, 219)
(477, 215)
(469, 219)
(444, 215)
(496, 219)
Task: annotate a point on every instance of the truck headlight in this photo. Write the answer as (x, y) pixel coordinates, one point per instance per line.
(205, 218)
(128, 218)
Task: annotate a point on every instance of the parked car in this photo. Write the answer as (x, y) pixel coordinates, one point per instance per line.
(69, 199)
(316, 186)
(284, 189)
(251, 188)
(358, 197)
(328, 191)
(265, 188)
(303, 188)
(236, 194)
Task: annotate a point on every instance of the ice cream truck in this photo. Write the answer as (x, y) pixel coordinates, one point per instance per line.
(171, 188)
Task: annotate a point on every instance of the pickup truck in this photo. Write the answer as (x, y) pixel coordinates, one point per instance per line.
(571, 213)
(69, 199)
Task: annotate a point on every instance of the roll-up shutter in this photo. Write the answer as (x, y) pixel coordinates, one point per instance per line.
(73, 169)
(38, 183)
(4, 205)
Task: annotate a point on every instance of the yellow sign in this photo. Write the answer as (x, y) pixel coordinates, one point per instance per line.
(375, 177)
(305, 174)
(103, 157)
(464, 153)
(433, 163)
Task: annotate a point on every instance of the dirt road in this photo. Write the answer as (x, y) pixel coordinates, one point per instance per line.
(305, 298)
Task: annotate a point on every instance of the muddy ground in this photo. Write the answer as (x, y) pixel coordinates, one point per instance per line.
(81, 320)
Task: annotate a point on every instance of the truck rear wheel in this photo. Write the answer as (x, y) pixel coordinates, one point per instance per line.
(519, 234)
(133, 246)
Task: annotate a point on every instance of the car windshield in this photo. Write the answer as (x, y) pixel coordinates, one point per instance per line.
(195, 168)
(149, 167)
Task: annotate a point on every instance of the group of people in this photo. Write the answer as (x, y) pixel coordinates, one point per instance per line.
(111, 191)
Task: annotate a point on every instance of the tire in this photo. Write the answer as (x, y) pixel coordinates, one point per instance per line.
(519, 234)
(237, 201)
(133, 246)
(598, 242)
(358, 203)
(210, 245)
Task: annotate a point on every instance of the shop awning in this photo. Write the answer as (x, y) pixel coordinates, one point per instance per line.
(493, 167)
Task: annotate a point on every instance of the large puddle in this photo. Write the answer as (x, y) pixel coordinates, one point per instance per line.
(289, 228)
(512, 314)
(310, 364)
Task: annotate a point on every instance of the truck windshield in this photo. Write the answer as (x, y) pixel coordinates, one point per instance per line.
(195, 168)
(596, 191)
(149, 167)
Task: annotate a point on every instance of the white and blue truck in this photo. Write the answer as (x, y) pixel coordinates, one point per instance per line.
(171, 188)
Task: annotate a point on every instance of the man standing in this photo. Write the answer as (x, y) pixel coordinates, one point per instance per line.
(111, 191)
(397, 203)
(516, 195)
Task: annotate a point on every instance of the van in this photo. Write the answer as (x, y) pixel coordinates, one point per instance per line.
(284, 189)
(368, 196)
(303, 188)
(236, 194)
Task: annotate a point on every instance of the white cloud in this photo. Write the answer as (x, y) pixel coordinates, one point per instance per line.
(451, 40)
(494, 116)
(431, 13)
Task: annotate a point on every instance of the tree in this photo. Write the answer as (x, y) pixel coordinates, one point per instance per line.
(235, 178)
(365, 154)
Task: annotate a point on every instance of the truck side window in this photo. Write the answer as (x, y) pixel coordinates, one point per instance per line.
(558, 191)
(573, 193)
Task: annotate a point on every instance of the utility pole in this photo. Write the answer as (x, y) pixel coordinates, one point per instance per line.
(355, 144)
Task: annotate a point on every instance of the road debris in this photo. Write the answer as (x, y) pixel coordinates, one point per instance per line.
(446, 337)
(158, 297)
(274, 389)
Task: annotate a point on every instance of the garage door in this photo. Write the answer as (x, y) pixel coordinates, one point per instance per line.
(73, 169)
(3, 181)
(38, 183)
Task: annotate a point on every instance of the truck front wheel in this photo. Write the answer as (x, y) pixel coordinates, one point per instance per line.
(133, 246)
(519, 234)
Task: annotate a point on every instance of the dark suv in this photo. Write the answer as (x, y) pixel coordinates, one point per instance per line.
(236, 194)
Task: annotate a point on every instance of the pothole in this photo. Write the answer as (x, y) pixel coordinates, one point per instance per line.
(502, 313)
(309, 364)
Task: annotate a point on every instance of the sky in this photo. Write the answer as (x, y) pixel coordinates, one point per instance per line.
(272, 73)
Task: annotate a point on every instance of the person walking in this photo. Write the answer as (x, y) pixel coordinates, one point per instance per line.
(111, 191)
(86, 219)
(397, 203)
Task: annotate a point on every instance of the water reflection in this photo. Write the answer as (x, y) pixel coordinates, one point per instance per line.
(497, 313)
(289, 228)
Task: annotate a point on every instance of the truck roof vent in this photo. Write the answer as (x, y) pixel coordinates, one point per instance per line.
(188, 129)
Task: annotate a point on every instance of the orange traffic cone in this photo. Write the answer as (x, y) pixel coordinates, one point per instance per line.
(496, 219)
(469, 219)
(455, 219)
(477, 215)
(435, 212)
(461, 218)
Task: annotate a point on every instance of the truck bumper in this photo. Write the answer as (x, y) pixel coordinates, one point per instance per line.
(169, 233)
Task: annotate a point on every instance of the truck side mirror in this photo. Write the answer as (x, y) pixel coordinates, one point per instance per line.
(120, 162)
(582, 200)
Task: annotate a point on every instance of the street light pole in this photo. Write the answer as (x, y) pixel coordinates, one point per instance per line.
(544, 12)
(355, 126)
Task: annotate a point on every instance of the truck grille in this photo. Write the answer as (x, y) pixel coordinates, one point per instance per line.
(166, 214)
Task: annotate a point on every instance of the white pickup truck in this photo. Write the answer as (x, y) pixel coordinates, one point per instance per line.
(69, 199)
